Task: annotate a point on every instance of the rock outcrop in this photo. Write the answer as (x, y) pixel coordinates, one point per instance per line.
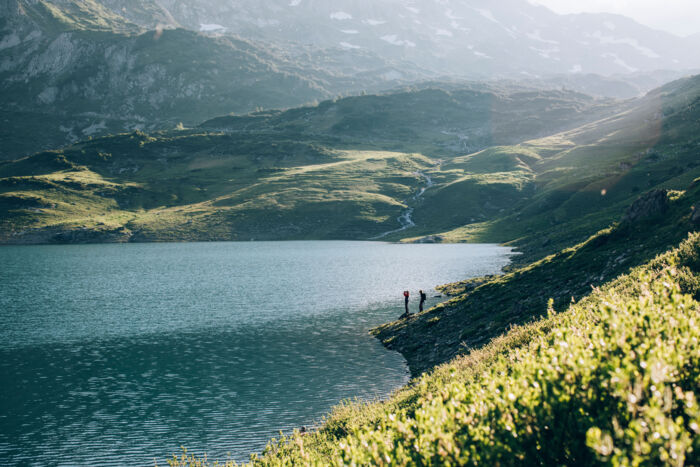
(695, 216)
(649, 205)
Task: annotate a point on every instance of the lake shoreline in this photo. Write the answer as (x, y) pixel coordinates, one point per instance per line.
(216, 344)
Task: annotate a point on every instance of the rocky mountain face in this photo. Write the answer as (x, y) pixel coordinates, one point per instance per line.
(74, 69)
(475, 38)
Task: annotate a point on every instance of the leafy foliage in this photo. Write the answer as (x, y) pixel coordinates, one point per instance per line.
(613, 380)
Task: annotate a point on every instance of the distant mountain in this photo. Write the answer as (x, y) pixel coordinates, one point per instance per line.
(445, 119)
(479, 39)
(72, 69)
(621, 86)
(504, 165)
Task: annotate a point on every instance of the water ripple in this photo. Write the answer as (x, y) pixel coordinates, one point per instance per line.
(119, 354)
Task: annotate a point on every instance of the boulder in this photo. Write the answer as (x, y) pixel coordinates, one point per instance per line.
(431, 239)
(695, 216)
(649, 205)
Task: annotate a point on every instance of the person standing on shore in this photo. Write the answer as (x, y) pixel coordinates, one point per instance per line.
(405, 296)
(423, 297)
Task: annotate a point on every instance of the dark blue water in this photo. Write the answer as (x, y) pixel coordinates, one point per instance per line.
(120, 354)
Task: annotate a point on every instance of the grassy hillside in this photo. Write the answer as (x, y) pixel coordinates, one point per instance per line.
(437, 119)
(348, 168)
(650, 225)
(544, 194)
(300, 174)
(611, 378)
(203, 187)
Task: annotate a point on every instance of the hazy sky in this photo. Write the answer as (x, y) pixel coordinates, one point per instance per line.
(681, 17)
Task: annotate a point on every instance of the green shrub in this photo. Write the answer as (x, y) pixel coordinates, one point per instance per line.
(614, 382)
(611, 381)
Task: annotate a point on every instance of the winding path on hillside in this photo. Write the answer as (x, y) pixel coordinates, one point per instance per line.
(406, 217)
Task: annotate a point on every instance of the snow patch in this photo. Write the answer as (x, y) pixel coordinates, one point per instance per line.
(546, 53)
(211, 27)
(341, 15)
(576, 69)
(373, 22)
(294, 2)
(94, 128)
(487, 14)
(610, 25)
(394, 40)
(451, 15)
(458, 27)
(634, 43)
(618, 61)
(347, 45)
(413, 10)
(480, 54)
(349, 31)
(443, 32)
(537, 36)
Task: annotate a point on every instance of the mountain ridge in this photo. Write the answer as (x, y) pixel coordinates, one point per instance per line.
(320, 172)
(503, 38)
(93, 46)
(76, 71)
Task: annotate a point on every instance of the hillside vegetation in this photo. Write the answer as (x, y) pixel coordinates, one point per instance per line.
(349, 168)
(308, 173)
(547, 193)
(588, 356)
(611, 378)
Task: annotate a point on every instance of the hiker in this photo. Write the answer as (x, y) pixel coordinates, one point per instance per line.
(422, 301)
(405, 296)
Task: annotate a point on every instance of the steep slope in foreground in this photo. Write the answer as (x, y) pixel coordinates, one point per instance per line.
(612, 379)
(655, 221)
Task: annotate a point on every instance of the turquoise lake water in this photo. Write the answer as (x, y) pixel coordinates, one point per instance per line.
(120, 354)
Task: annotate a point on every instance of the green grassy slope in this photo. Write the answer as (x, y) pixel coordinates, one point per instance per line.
(468, 320)
(322, 171)
(568, 185)
(441, 120)
(271, 176)
(611, 379)
(203, 187)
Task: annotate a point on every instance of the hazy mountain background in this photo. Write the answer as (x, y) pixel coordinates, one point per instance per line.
(73, 69)
(475, 38)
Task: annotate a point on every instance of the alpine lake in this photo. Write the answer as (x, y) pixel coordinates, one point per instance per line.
(118, 354)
